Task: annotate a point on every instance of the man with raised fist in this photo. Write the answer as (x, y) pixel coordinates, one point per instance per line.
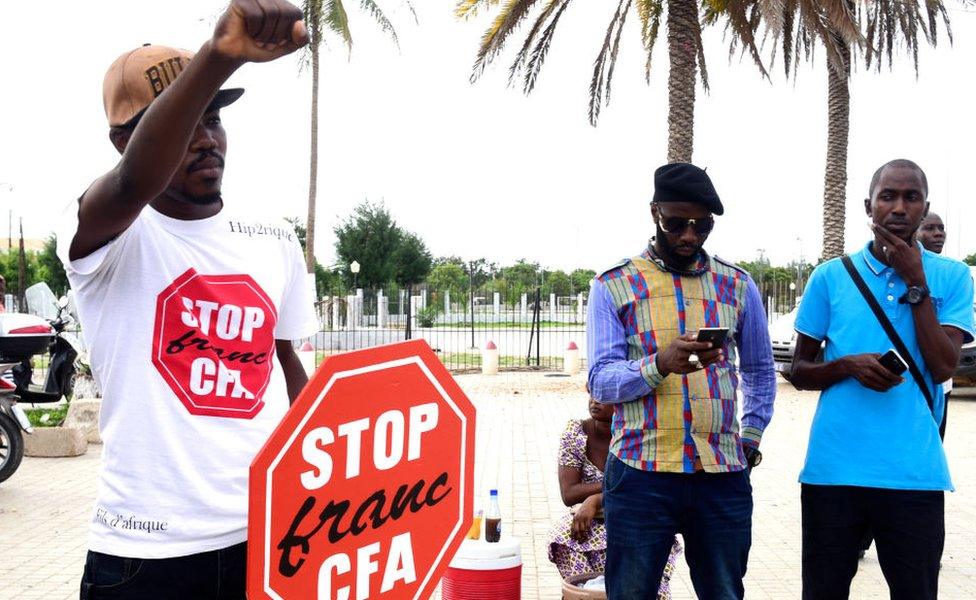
(190, 308)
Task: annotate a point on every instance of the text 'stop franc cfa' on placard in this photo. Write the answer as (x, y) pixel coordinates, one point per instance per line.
(364, 489)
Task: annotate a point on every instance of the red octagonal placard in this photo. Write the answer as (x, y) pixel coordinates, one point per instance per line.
(364, 489)
(213, 343)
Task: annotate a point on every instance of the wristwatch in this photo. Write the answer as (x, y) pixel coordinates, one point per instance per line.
(753, 456)
(914, 295)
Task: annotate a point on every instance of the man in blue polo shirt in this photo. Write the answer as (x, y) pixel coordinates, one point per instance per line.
(875, 459)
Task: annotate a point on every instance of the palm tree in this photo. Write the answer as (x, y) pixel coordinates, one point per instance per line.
(846, 27)
(323, 16)
(685, 49)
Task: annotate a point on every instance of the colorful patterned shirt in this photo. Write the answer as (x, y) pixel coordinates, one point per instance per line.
(666, 423)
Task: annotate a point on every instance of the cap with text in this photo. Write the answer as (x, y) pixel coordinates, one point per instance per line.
(139, 76)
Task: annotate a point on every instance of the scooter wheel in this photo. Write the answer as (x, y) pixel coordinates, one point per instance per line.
(11, 447)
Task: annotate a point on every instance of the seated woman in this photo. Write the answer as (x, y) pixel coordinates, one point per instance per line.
(578, 541)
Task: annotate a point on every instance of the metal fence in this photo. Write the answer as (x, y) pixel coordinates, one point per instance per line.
(533, 332)
(780, 297)
(530, 332)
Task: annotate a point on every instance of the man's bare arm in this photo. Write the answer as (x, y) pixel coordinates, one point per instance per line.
(246, 32)
(806, 373)
(291, 366)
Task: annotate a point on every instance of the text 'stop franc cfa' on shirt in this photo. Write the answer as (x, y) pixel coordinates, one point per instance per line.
(637, 309)
(860, 437)
(180, 318)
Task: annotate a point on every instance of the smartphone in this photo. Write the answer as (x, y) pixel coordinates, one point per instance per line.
(893, 362)
(715, 335)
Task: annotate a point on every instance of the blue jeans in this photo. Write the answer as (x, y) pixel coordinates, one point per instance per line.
(216, 575)
(644, 510)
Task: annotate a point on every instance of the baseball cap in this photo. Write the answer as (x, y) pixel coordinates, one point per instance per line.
(139, 76)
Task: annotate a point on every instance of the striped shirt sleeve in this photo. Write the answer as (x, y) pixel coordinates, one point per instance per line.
(612, 377)
(756, 368)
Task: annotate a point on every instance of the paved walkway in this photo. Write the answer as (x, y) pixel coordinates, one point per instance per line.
(45, 506)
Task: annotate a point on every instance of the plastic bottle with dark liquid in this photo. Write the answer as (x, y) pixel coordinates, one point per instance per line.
(493, 519)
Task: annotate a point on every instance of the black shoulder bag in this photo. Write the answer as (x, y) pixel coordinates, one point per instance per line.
(896, 341)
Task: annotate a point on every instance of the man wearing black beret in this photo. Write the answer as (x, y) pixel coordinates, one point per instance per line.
(679, 460)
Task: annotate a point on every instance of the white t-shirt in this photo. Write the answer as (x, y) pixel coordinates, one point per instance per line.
(180, 318)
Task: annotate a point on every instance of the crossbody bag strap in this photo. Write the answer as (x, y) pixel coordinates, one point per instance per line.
(890, 330)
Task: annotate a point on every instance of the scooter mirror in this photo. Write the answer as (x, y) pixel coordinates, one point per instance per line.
(63, 302)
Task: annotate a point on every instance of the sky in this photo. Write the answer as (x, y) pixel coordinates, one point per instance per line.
(481, 170)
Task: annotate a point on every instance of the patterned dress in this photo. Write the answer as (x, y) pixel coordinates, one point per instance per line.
(589, 556)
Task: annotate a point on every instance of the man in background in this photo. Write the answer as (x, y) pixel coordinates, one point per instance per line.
(932, 233)
(875, 461)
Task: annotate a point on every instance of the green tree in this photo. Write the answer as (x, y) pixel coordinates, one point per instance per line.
(758, 268)
(50, 268)
(300, 231)
(685, 50)
(323, 16)
(482, 271)
(10, 270)
(559, 283)
(412, 260)
(370, 236)
(448, 277)
(581, 279)
(524, 274)
(844, 28)
(780, 274)
(970, 260)
(327, 283)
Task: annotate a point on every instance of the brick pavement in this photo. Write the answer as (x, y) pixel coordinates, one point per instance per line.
(44, 508)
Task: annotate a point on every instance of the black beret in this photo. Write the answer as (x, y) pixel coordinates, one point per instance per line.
(683, 182)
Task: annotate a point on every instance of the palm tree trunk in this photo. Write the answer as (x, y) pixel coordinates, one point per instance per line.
(835, 175)
(682, 77)
(313, 167)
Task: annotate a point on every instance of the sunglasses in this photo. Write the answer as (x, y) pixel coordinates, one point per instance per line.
(701, 226)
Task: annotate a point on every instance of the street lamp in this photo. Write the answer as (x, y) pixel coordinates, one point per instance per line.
(354, 268)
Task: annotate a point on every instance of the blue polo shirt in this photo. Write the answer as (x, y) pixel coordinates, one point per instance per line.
(860, 437)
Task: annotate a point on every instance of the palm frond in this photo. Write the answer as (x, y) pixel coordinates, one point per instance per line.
(598, 81)
(773, 14)
(890, 24)
(649, 12)
(373, 10)
(841, 19)
(521, 59)
(541, 49)
(334, 17)
(788, 19)
(741, 19)
(507, 21)
(413, 11)
(616, 49)
(469, 8)
(700, 50)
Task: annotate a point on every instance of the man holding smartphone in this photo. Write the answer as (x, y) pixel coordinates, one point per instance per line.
(679, 461)
(875, 460)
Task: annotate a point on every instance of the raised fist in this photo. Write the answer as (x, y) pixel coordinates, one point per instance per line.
(259, 30)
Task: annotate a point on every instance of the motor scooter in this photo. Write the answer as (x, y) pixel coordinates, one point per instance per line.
(22, 337)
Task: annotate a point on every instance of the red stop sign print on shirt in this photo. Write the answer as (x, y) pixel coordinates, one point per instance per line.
(213, 343)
